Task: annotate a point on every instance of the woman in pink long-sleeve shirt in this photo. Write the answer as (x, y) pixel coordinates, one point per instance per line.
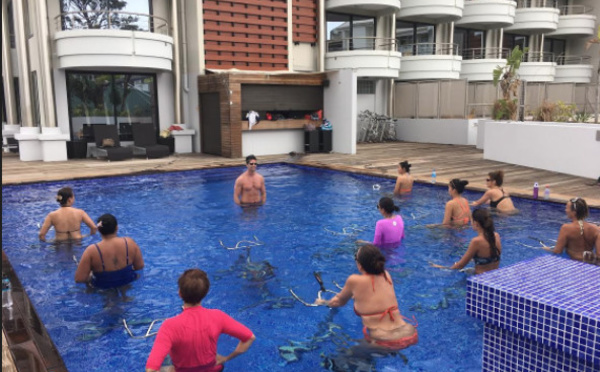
(389, 231)
(191, 337)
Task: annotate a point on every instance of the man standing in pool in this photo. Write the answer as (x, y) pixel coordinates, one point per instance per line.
(249, 189)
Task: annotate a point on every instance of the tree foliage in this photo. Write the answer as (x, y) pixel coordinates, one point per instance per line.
(508, 78)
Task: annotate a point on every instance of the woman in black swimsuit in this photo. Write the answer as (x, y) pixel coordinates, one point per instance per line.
(484, 249)
(496, 196)
(66, 219)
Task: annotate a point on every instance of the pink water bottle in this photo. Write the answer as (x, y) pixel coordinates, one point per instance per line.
(536, 189)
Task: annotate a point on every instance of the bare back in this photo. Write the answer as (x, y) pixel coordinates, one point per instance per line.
(457, 212)
(114, 256)
(404, 184)
(577, 239)
(67, 223)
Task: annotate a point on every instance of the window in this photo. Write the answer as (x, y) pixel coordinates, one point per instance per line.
(408, 34)
(350, 32)
(471, 43)
(555, 46)
(510, 41)
(11, 25)
(365, 87)
(119, 15)
(112, 99)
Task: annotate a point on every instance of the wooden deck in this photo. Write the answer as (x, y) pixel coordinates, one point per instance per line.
(449, 161)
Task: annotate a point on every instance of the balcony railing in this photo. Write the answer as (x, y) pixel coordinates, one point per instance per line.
(573, 60)
(361, 43)
(111, 20)
(485, 53)
(538, 57)
(537, 4)
(423, 49)
(575, 9)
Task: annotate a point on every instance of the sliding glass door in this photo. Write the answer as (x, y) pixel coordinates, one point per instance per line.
(110, 99)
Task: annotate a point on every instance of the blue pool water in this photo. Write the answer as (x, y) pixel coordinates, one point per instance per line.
(178, 220)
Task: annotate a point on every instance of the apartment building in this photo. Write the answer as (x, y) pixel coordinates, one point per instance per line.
(204, 64)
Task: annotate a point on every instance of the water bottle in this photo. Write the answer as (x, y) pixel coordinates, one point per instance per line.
(536, 189)
(547, 193)
(7, 300)
(433, 177)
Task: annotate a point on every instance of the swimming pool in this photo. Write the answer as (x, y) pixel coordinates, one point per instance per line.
(179, 219)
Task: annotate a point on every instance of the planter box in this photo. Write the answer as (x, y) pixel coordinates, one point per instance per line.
(311, 141)
(169, 141)
(325, 140)
(77, 149)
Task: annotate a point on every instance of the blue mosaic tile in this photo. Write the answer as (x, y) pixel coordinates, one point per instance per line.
(551, 300)
(507, 351)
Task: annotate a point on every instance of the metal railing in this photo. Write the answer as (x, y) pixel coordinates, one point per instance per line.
(537, 4)
(538, 57)
(424, 49)
(361, 43)
(111, 20)
(485, 53)
(575, 9)
(573, 60)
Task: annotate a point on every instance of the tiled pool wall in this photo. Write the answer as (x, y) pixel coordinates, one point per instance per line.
(541, 315)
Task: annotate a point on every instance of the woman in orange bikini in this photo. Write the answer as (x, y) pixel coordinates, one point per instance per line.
(404, 182)
(496, 195)
(375, 302)
(457, 211)
(66, 219)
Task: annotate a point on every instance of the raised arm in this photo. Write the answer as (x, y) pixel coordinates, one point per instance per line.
(45, 227)
(341, 298)
(466, 258)
(561, 242)
(89, 222)
(84, 268)
(484, 199)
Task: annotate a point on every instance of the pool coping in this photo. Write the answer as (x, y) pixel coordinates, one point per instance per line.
(28, 341)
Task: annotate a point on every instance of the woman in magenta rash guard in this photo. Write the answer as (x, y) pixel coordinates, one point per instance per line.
(190, 338)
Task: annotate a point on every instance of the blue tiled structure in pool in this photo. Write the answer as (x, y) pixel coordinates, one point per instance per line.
(541, 315)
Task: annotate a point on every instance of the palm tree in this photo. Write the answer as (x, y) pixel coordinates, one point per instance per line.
(506, 108)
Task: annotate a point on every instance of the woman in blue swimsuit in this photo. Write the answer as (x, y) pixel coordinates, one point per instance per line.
(484, 249)
(112, 262)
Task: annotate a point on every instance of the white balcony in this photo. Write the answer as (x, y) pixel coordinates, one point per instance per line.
(575, 21)
(431, 11)
(534, 17)
(427, 61)
(488, 14)
(537, 67)
(479, 64)
(107, 43)
(370, 7)
(573, 69)
(369, 57)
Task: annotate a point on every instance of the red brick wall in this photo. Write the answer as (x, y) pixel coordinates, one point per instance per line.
(246, 34)
(305, 21)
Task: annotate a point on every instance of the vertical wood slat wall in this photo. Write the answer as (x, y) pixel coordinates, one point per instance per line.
(246, 34)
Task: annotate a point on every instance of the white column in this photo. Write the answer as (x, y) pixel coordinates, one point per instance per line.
(7, 74)
(176, 60)
(322, 35)
(24, 83)
(46, 69)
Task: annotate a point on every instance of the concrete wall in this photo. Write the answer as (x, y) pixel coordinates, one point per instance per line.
(565, 148)
(339, 100)
(445, 131)
(271, 142)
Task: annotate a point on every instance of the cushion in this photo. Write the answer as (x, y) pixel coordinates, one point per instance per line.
(108, 142)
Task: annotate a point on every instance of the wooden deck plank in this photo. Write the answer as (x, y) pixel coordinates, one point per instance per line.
(449, 161)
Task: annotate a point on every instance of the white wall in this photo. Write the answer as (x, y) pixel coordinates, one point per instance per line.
(61, 100)
(195, 53)
(339, 100)
(559, 147)
(444, 131)
(304, 57)
(272, 142)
